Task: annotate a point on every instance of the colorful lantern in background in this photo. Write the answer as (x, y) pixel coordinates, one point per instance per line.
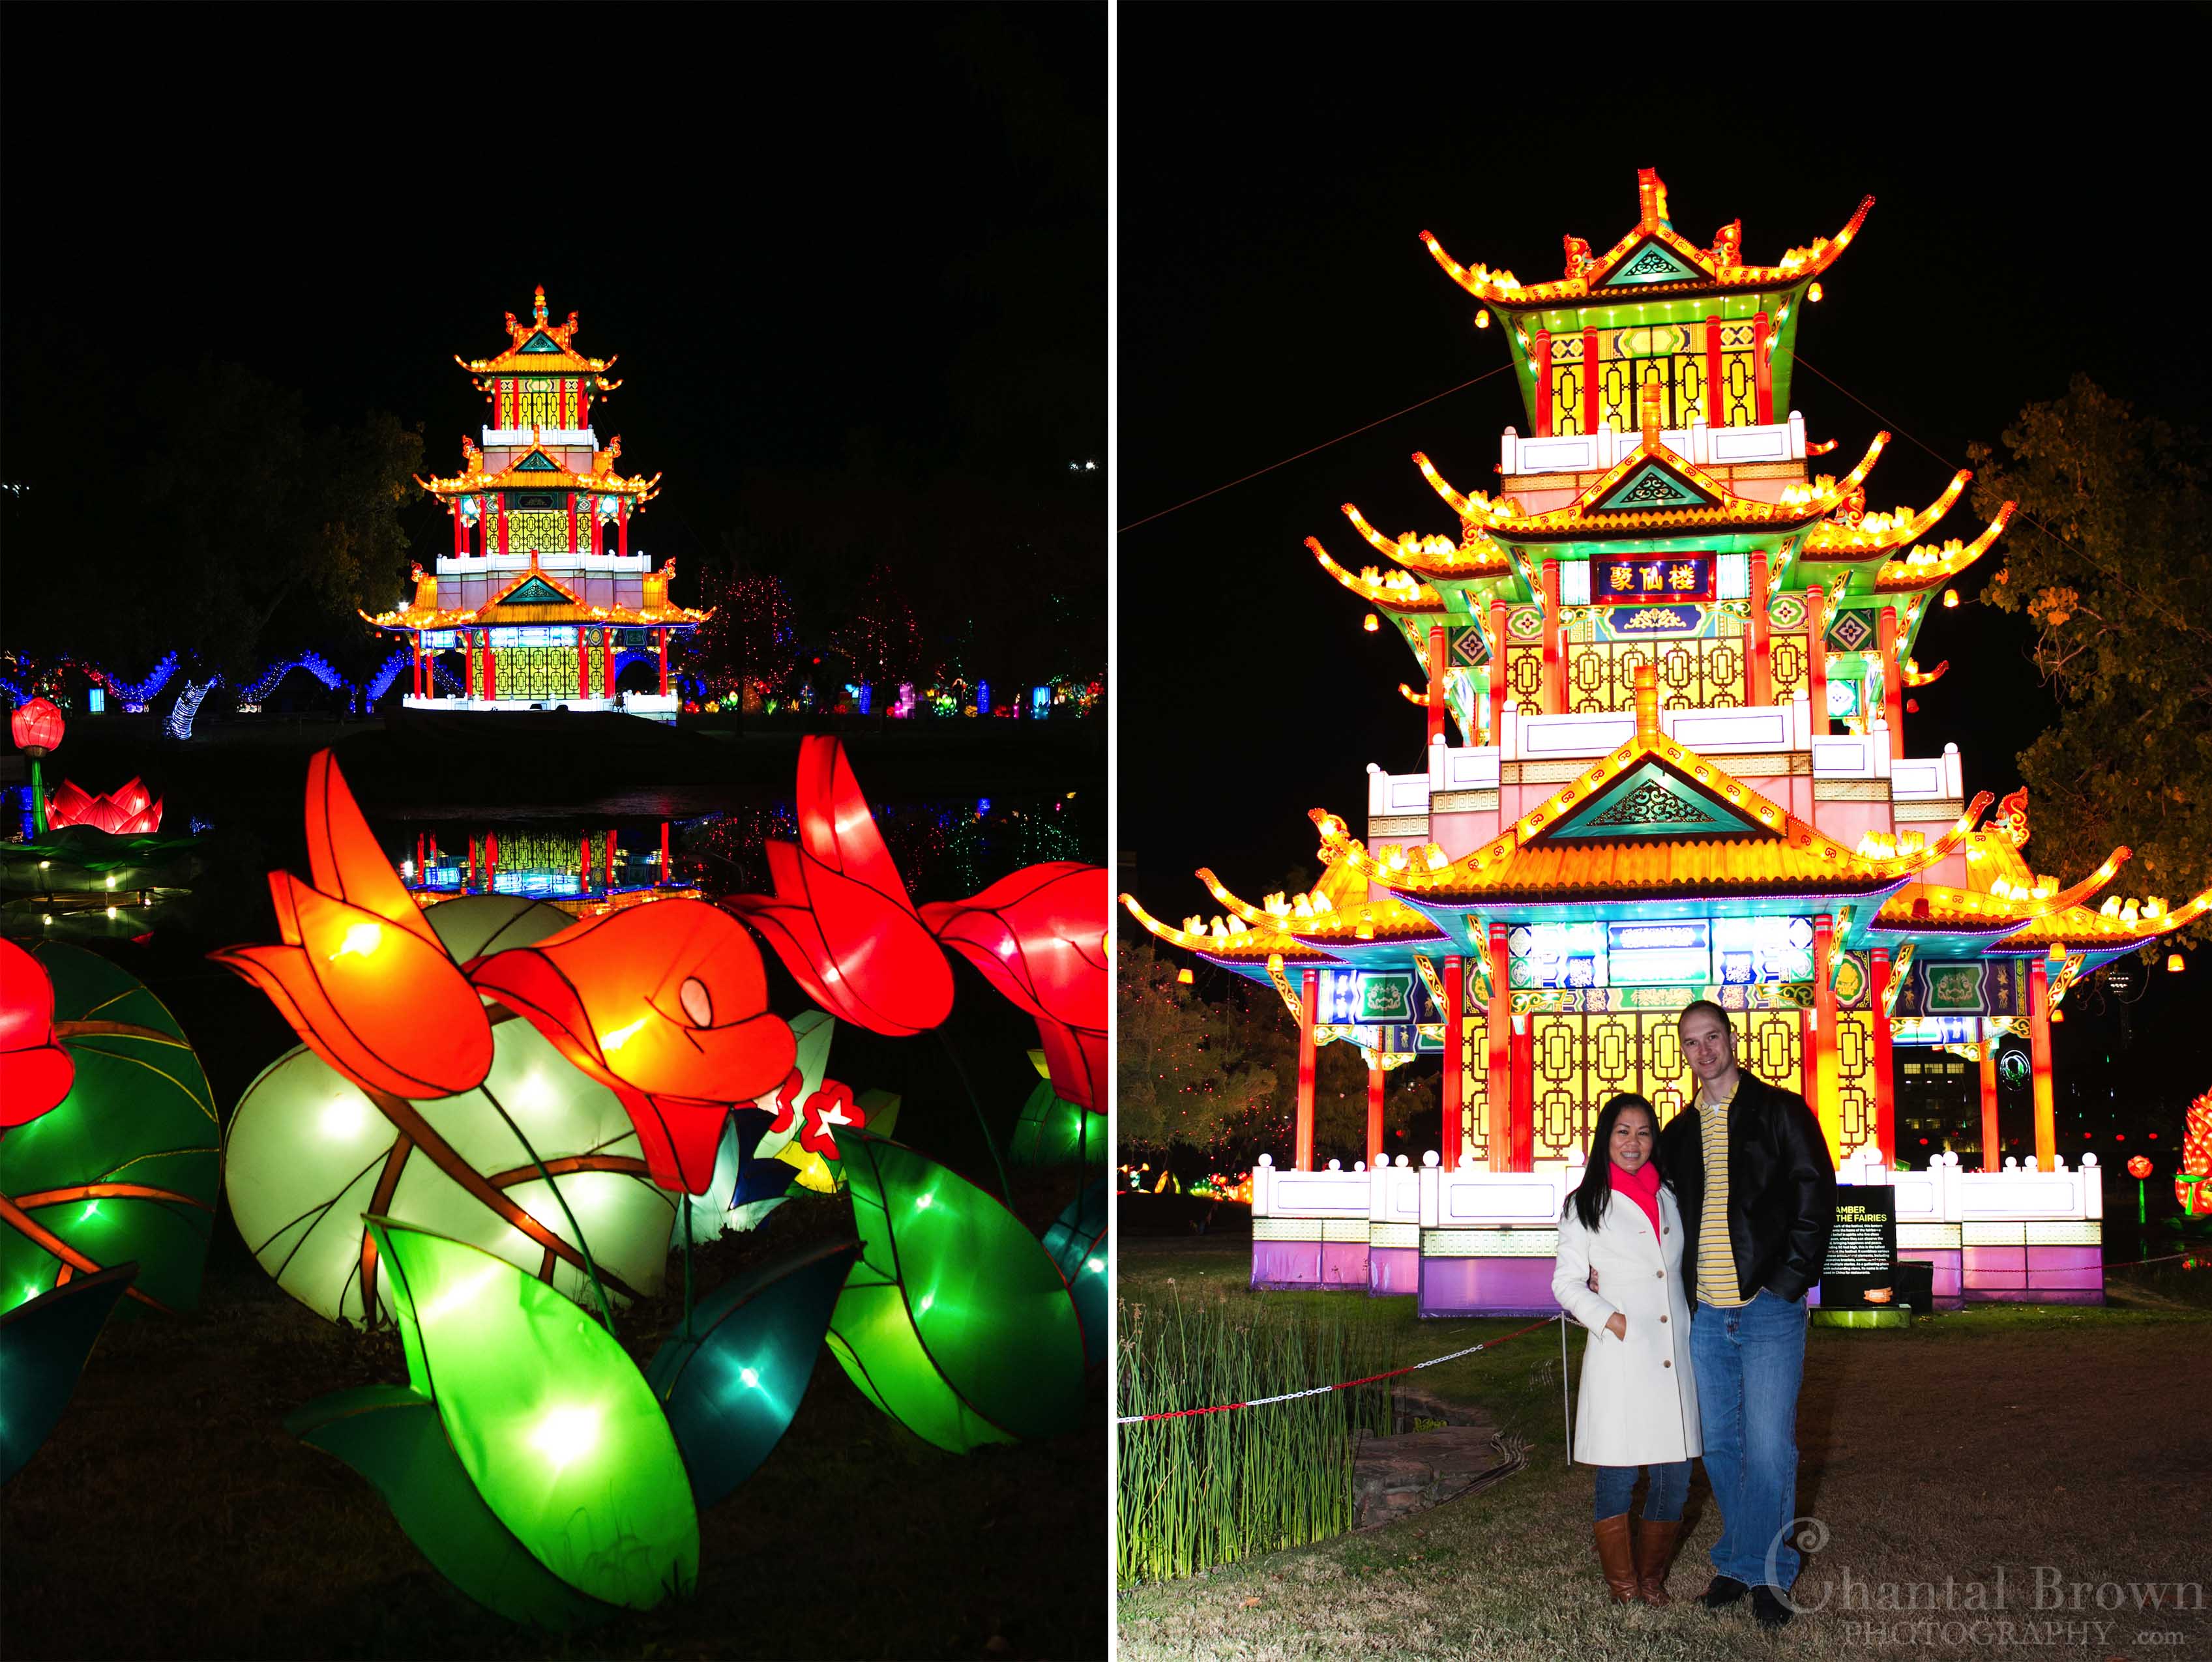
(1039, 936)
(666, 1005)
(361, 976)
(526, 1456)
(2139, 1168)
(839, 919)
(2190, 1186)
(37, 728)
(35, 1071)
(955, 1322)
(124, 1167)
(129, 812)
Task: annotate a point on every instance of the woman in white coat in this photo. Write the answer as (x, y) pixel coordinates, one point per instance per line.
(1619, 1274)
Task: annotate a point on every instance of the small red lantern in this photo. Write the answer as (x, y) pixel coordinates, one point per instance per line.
(37, 727)
(2139, 1167)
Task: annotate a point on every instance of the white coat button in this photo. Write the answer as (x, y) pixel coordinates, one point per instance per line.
(1666, 1364)
(1660, 1275)
(1663, 1318)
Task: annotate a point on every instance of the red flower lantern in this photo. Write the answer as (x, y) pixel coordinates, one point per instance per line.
(666, 1005)
(2138, 1168)
(35, 1071)
(839, 919)
(131, 812)
(37, 727)
(1040, 938)
(360, 976)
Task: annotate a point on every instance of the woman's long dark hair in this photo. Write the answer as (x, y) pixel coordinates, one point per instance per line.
(1596, 1193)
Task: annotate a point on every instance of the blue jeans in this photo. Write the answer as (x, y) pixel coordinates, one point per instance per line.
(1750, 1362)
(1662, 1501)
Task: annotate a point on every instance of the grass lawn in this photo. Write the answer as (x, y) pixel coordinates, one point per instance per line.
(1998, 1438)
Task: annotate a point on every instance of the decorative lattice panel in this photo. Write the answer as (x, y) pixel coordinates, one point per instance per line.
(1771, 1044)
(1786, 660)
(1567, 391)
(547, 533)
(1524, 674)
(1739, 376)
(1694, 674)
(540, 672)
(1854, 1087)
(1475, 1084)
(1582, 1060)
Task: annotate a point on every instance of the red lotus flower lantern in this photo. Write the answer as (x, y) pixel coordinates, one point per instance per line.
(839, 919)
(131, 812)
(1039, 936)
(35, 1071)
(2138, 1168)
(666, 1005)
(360, 976)
(37, 727)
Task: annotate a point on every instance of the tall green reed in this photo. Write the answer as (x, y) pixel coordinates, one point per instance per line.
(1215, 1488)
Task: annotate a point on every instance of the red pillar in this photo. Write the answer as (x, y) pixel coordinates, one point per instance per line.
(1759, 671)
(460, 533)
(621, 527)
(573, 544)
(664, 875)
(583, 666)
(469, 652)
(1540, 362)
(1501, 1060)
(1826, 1102)
(1884, 1087)
(2038, 1060)
(491, 667)
(472, 859)
(419, 862)
(1497, 671)
(1374, 1112)
(1716, 400)
(417, 667)
(1892, 691)
(1524, 1096)
(611, 858)
(502, 528)
(1436, 681)
(1589, 380)
(606, 663)
(1762, 367)
(1554, 677)
(663, 634)
(1816, 657)
(1454, 1059)
(1309, 1002)
(584, 863)
(1992, 1143)
(491, 861)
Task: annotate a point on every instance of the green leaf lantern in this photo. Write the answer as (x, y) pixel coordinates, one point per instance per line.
(1077, 1242)
(1053, 1131)
(732, 1384)
(309, 1154)
(570, 1497)
(125, 1168)
(43, 1343)
(955, 1322)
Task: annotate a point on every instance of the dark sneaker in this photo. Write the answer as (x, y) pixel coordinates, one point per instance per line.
(1767, 1605)
(1724, 1591)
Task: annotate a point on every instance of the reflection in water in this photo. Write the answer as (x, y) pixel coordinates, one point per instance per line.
(945, 849)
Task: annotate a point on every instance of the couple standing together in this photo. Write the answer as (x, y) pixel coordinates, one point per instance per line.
(1687, 1252)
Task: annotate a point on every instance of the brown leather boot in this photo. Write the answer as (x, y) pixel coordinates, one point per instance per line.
(1618, 1558)
(1655, 1554)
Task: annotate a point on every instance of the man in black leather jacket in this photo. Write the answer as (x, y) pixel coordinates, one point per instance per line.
(1756, 1222)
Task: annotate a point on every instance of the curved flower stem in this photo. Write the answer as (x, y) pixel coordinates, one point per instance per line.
(1006, 1189)
(687, 1268)
(592, 1270)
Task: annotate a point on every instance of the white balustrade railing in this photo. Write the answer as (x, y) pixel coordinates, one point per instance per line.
(1698, 444)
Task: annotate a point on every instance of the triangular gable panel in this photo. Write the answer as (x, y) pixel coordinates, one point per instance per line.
(541, 342)
(1653, 487)
(1652, 801)
(537, 462)
(535, 591)
(1654, 262)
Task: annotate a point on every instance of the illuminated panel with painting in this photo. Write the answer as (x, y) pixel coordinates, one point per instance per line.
(1663, 669)
(541, 604)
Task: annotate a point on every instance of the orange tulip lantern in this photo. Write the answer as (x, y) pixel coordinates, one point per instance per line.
(1039, 936)
(839, 919)
(360, 976)
(35, 1071)
(666, 1005)
(131, 812)
(37, 727)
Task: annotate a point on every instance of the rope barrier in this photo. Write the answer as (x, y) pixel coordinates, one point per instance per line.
(1323, 1390)
(2144, 1263)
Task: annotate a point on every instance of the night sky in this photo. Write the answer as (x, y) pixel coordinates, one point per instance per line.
(838, 250)
(1273, 294)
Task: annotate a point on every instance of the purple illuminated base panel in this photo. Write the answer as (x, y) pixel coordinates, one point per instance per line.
(1393, 1269)
(2034, 1275)
(1486, 1287)
(1310, 1265)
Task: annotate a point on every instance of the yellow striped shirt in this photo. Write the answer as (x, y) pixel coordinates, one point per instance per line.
(1716, 1283)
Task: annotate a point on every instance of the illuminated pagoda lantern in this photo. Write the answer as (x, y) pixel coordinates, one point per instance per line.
(541, 604)
(586, 875)
(1663, 670)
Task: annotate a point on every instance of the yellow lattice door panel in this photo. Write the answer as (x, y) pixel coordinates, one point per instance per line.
(536, 672)
(1474, 1086)
(1701, 674)
(1524, 674)
(1666, 1075)
(1583, 1061)
(1773, 1048)
(1601, 674)
(1854, 1081)
(1567, 389)
(1786, 659)
(1562, 1114)
(538, 403)
(545, 532)
(1688, 394)
(1739, 389)
(541, 853)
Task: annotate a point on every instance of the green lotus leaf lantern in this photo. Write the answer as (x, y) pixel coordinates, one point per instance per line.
(43, 1343)
(581, 1501)
(1052, 1130)
(1077, 1242)
(955, 1322)
(125, 1168)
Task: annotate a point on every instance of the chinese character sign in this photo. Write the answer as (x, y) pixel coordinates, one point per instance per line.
(1625, 578)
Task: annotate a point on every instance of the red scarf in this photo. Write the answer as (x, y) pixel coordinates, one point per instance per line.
(1640, 1185)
